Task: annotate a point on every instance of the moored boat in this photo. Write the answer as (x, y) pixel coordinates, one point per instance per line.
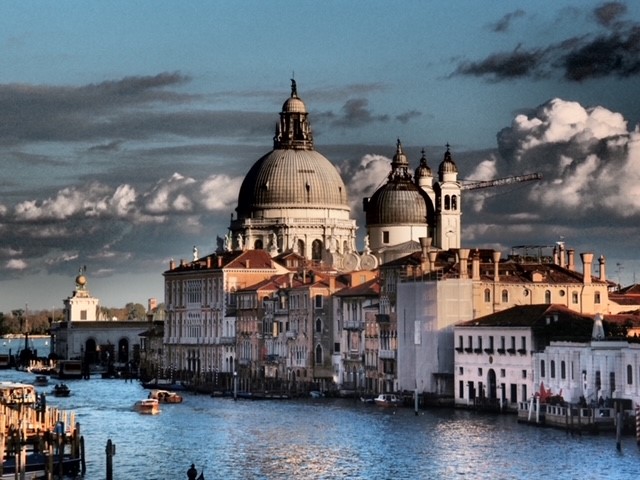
(387, 400)
(316, 394)
(165, 396)
(149, 406)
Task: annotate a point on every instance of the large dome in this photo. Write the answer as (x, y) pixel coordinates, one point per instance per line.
(292, 178)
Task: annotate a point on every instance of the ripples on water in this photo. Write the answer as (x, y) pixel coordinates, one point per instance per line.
(324, 439)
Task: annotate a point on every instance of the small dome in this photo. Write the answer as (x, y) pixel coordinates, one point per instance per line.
(81, 280)
(398, 203)
(294, 105)
(423, 169)
(447, 165)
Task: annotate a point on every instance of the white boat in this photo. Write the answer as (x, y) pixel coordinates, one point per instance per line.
(149, 406)
(316, 394)
(388, 400)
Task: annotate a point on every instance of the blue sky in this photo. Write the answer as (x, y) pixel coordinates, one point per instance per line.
(126, 127)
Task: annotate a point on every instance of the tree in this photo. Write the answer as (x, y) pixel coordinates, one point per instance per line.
(135, 311)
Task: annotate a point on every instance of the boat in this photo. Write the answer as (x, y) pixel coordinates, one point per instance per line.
(368, 400)
(165, 396)
(12, 393)
(316, 394)
(149, 406)
(38, 463)
(388, 400)
(5, 360)
(61, 390)
(41, 381)
(68, 369)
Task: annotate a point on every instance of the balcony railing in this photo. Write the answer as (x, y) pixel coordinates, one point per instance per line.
(387, 354)
(353, 325)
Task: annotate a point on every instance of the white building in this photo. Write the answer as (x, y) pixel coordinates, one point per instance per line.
(494, 354)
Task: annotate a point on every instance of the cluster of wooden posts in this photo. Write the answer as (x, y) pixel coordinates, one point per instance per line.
(27, 430)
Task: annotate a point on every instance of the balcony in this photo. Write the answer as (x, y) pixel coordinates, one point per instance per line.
(226, 340)
(387, 354)
(489, 351)
(459, 349)
(353, 325)
(291, 335)
(501, 351)
(511, 351)
(522, 351)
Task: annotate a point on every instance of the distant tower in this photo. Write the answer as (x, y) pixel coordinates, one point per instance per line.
(448, 204)
(424, 178)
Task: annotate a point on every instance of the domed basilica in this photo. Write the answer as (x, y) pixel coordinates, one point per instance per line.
(293, 199)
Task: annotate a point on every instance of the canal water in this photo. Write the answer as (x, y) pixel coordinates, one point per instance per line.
(323, 439)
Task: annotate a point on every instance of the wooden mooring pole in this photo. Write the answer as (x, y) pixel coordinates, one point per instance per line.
(111, 451)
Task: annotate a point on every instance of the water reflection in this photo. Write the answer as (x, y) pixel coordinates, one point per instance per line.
(324, 438)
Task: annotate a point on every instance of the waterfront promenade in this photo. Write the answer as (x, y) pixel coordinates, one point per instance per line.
(324, 439)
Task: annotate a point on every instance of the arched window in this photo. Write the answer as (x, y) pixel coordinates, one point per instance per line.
(318, 355)
(447, 202)
(547, 296)
(318, 325)
(316, 250)
(542, 370)
(487, 295)
(257, 245)
(597, 297)
(454, 202)
(505, 296)
(553, 369)
(629, 375)
(563, 370)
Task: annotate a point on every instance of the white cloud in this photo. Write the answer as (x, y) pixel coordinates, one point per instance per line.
(16, 264)
(369, 175)
(220, 192)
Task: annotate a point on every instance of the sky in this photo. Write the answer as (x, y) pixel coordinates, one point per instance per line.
(126, 127)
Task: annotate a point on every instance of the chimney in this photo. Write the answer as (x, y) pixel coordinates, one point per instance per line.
(475, 266)
(291, 279)
(603, 268)
(433, 254)
(425, 244)
(247, 263)
(208, 261)
(555, 256)
(172, 264)
(571, 259)
(562, 256)
(219, 261)
(332, 283)
(463, 253)
(152, 303)
(587, 260)
(496, 263)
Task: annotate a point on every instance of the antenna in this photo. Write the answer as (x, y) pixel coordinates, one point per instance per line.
(620, 269)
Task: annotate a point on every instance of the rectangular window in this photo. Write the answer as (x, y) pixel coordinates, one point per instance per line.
(385, 237)
(479, 372)
(503, 372)
(83, 314)
(318, 301)
(460, 370)
(523, 343)
(336, 347)
(513, 392)
(461, 389)
(524, 393)
(524, 374)
(597, 297)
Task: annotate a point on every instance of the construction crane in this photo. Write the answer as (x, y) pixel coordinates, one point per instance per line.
(501, 181)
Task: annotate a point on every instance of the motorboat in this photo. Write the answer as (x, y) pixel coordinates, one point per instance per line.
(316, 394)
(165, 396)
(149, 406)
(388, 400)
(61, 390)
(41, 381)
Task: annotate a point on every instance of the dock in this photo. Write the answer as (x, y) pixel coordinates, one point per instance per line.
(39, 440)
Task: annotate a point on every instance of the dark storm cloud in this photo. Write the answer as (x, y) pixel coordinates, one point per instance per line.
(406, 117)
(608, 13)
(504, 23)
(115, 111)
(610, 55)
(355, 113)
(614, 54)
(505, 66)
